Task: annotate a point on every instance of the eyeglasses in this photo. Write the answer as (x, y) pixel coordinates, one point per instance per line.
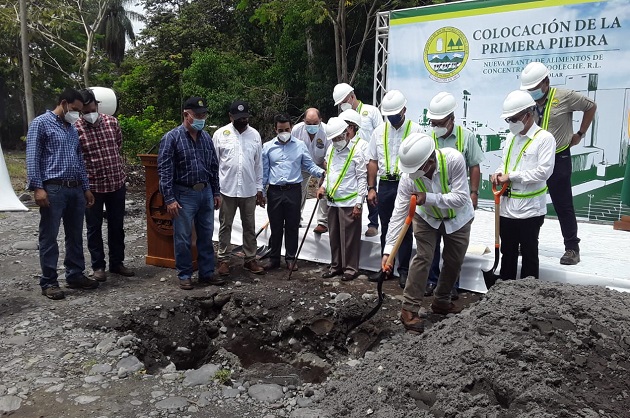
(515, 118)
(439, 123)
(341, 137)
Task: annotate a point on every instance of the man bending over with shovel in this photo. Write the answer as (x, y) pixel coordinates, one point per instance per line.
(528, 161)
(438, 179)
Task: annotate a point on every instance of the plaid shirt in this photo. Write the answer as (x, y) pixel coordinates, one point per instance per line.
(101, 143)
(53, 152)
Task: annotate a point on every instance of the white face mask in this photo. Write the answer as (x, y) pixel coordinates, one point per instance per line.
(339, 145)
(284, 137)
(90, 117)
(345, 106)
(416, 175)
(516, 127)
(439, 131)
(71, 116)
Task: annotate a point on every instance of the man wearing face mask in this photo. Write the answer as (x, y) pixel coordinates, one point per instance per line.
(438, 179)
(383, 164)
(554, 112)
(345, 98)
(284, 158)
(189, 182)
(344, 188)
(312, 131)
(239, 148)
(56, 173)
(528, 162)
(447, 134)
(101, 142)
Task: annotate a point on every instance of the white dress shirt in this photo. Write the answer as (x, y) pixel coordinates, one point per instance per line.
(394, 139)
(457, 199)
(240, 161)
(317, 146)
(530, 174)
(371, 118)
(355, 180)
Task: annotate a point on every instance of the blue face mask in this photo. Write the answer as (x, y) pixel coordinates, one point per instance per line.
(312, 129)
(536, 94)
(395, 119)
(198, 124)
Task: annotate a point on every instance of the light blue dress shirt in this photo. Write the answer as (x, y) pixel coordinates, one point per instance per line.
(283, 163)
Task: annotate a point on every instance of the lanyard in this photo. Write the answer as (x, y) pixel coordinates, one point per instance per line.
(460, 140)
(344, 170)
(386, 142)
(520, 154)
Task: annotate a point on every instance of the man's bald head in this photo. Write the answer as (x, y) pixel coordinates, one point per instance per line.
(312, 116)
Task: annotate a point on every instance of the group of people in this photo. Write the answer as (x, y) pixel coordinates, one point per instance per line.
(358, 157)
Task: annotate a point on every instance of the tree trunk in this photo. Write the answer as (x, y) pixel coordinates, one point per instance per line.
(26, 63)
(88, 61)
(344, 42)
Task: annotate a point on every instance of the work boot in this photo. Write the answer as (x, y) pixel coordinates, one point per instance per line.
(428, 291)
(122, 270)
(100, 275)
(254, 267)
(81, 282)
(371, 232)
(570, 258)
(402, 279)
(320, 229)
(444, 308)
(185, 284)
(211, 281)
(412, 321)
(53, 292)
(224, 268)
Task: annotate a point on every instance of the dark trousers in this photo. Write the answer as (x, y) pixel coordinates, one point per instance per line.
(373, 216)
(114, 202)
(559, 185)
(387, 191)
(524, 232)
(283, 209)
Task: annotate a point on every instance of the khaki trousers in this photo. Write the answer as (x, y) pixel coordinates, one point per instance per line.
(345, 239)
(455, 246)
(247, 209)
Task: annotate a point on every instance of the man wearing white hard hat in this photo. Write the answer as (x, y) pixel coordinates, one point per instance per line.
(383, 165)
(554, 113)
(447, 134)
(353, 119)
(344, 188)
(528, 161)
(345, 98)
(438, 179)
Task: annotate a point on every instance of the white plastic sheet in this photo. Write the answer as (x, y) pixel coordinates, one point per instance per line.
(8, 200)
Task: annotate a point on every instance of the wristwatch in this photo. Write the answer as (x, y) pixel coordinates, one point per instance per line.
(371, 187)
(359, 205)
(581, 134)
(474, 192)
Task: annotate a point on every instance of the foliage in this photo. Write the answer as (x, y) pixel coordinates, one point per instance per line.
(142, 134)
(223, 376)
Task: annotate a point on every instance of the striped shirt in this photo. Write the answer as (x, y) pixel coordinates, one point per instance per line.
(185, 161)
(53, 151)
(101, 143)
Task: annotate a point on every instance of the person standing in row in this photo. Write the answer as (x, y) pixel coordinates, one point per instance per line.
(554, 113)
(101, 142)
(189, 181)
(344, 189)
(371, 118)
(312, 131)
(447, 134)
(239, 149)
(285, 158)
(528, 162)
(56, 173)
(384, 147)
(438, 179)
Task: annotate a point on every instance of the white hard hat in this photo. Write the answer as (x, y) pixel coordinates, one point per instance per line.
(533, 74)
(351, 115)
(341, 91)
(415, 151)
(393, 103)
(516, 102)
(335, 127)
(442, 105)
(106, 98)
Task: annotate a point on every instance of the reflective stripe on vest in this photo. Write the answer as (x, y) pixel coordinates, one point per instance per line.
(444, 185)
(460, 140)
(386, 143)
(527, 195)
(344, 170)
(547, 116)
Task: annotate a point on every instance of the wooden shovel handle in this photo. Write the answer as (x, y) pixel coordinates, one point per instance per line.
(412, 211)
(497, 206)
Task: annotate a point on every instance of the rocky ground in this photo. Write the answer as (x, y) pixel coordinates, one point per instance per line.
(263, 346)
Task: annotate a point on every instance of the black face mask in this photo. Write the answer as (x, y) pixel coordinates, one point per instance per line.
(240, 124)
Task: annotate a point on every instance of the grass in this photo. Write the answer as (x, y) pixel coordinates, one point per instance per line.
(223, 376)
(16, 165)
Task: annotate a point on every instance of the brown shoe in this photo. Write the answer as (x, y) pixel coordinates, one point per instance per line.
(371, 232)
(224, 268)
(100, 275)
(81, 282)
(254, 267)
(53, 292)
(292, 264)
(320, 229)
(443, 308)
(185, 284)
(122, 270)
(412, 321)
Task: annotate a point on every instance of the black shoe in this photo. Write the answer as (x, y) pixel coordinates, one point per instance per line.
(402, 279)
(122, 270)
(271, 265)
(454, 293)
(430, 289)
(349, 276)
(82, 282)
(292, 264)
(53, 292)
(375, 277)
(331, 273)
(211, 281)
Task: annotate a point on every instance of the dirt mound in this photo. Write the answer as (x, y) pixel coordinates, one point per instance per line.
(528, 349)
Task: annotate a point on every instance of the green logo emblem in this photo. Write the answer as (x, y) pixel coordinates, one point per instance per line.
(445, 54)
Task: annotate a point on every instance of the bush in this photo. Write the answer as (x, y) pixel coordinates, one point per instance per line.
(142, 134)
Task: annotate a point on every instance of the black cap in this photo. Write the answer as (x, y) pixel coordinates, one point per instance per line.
(239, 109)
(196, 104)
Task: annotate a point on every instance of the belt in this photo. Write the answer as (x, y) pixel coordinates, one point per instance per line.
(285, 186)
(65, 183)
(196, 187)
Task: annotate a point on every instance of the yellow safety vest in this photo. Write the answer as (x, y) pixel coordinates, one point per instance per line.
(517, 195)
(459, 143)
(437, 213)
(386, 143)
(330, 193)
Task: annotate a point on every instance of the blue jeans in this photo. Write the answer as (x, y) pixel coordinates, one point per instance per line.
(115, 204)
(67, 203)
(197, 207)
(434, 272)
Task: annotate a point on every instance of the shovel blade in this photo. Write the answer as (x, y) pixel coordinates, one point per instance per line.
(263, 252)
(490, 278)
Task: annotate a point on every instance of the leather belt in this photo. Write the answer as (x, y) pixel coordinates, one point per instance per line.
(196, 187)
(64, 183)
(285, 186)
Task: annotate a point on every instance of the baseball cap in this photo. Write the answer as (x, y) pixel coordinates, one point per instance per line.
(239, 109)
(196, 104)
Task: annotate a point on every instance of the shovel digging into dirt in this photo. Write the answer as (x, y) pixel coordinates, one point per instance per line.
(260, 252)
(308, 227)
(389, 265)
(489, 277)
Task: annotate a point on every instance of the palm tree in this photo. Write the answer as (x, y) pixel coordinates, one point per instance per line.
(116, 28)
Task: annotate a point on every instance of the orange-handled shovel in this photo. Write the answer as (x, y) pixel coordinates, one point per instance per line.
(489, 276)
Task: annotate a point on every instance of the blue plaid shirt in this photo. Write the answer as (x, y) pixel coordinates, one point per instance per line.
(182, 160)
(53, 151)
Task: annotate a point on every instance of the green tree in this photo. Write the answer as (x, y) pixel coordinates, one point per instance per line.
(116, 28)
